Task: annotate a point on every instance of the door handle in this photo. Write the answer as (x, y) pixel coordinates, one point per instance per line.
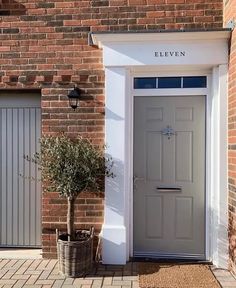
(169, 189)
(135, 179)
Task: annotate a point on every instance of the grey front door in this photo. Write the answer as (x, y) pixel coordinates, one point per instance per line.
(169, 177)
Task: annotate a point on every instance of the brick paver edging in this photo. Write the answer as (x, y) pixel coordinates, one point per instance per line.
(224, 277)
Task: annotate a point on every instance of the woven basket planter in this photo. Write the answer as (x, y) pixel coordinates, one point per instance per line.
(75, 258)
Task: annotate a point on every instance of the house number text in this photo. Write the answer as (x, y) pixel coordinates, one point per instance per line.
(170, 54)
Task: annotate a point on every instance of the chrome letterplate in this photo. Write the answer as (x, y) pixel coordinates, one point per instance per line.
(169, 189)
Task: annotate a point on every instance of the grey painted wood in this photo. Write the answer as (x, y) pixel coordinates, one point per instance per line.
(169, 195)
(20, 130)
(3, 176)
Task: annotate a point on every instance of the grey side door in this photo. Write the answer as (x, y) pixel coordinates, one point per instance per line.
(20, 206)
(169, 177)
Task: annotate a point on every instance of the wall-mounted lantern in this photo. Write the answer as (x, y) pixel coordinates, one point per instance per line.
(74, 96)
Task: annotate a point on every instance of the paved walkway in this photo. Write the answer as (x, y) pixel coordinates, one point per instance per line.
(225, 278)
(44, 274)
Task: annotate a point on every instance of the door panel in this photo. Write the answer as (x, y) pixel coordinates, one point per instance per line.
(184, 165)
(184, 217)
(20, 223)
(169, 197)
(154, 225)
(154, 161)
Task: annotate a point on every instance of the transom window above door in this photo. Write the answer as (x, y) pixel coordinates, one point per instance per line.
(170, 82)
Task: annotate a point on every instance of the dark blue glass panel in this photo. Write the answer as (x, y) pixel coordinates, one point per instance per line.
(145, 83)
(169, 82)
(195, 82)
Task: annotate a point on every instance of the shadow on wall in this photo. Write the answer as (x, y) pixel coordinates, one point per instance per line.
(112, 115)
(11, 7)
(115, 192)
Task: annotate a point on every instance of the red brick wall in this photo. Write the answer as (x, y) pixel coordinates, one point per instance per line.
(230, 13)
(43, 45)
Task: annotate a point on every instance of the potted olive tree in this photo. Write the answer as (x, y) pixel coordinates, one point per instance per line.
(70, 166)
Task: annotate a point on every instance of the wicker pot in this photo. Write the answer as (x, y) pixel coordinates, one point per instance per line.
(75, 258)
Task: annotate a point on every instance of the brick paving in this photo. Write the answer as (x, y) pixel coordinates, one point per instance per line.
(44, 274)
(41, 273)
(225, 278)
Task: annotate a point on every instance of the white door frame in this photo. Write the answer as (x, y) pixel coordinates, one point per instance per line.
(184, 92)
(216, 223)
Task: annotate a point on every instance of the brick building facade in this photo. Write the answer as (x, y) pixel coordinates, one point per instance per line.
(44, 47)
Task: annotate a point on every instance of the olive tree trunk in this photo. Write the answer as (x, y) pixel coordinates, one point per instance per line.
(70, 218)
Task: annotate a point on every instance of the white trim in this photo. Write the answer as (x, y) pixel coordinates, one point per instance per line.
(114, 228)
(223, 168)
(216, 220)
(208, 168)
(219, 167)
(169, 70)
(170, 92)
(129, 171)
(180, 69)
(99, 39)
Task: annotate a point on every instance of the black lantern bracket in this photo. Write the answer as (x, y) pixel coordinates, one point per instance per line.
(74, 97)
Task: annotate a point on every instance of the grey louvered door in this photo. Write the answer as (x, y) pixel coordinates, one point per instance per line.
(169, 166)
(20, 125)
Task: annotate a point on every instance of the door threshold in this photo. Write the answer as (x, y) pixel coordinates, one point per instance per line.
(20, 253)
(170, 260)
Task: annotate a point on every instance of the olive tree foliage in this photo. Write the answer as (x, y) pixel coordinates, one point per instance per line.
(70, 166)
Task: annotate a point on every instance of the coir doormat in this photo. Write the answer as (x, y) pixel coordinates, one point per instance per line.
(169, 275)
